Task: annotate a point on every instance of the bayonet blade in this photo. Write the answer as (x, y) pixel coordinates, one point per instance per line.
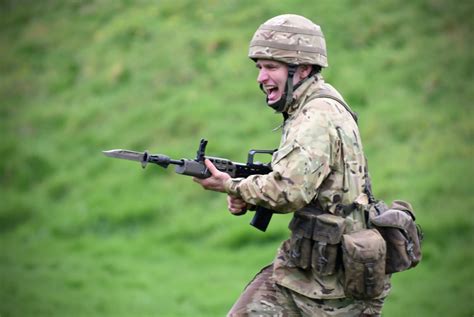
(141, 157)
(126, 154)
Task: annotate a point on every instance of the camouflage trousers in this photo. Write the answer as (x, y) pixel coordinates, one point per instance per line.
(263, 297)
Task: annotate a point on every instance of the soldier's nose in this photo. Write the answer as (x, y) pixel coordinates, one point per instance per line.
(262, 76)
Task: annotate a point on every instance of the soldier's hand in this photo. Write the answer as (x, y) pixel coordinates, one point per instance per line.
(236, 205)
(216, 181)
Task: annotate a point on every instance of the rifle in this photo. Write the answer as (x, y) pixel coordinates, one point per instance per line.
(197, 168)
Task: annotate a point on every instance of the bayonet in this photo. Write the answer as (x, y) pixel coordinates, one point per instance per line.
(197, 168)
(143, 157)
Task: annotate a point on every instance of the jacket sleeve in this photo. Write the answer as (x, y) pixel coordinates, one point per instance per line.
(300, 165)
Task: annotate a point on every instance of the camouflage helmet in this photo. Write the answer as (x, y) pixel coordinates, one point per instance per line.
(291, 39)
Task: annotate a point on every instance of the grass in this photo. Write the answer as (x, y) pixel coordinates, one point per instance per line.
(83, 235)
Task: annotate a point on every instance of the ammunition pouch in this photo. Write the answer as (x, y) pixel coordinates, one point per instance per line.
(391, 243)
(403, 237)
(301, 243)
(363, 255)
(315, 240)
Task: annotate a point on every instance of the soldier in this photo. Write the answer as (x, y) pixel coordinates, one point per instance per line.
(319, 173)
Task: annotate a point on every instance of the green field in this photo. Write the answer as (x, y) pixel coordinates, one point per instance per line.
(85, 235)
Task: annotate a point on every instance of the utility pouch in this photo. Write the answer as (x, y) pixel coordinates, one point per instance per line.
(327, 234)
(301, 243)
(363, 255)
(402, 235)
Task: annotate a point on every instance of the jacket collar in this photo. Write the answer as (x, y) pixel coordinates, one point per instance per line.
(304, 91)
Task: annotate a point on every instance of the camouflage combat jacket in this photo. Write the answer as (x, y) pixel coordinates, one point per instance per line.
(319, 162)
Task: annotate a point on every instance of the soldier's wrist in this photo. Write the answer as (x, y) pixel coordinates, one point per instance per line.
(231, 186)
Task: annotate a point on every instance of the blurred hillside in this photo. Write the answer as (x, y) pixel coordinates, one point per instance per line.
(84, 235)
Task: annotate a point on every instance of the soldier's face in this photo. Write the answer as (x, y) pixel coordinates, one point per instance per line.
(272, 75)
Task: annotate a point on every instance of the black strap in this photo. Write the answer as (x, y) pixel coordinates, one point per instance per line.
(289, 83)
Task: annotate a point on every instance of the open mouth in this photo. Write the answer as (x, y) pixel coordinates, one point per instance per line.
(272, 93)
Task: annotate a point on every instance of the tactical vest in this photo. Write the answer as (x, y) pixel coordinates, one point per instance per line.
(365, 238)
(317, 233)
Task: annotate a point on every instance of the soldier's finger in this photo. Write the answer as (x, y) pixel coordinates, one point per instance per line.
(237, 212)
(211, 167)
(238, 204)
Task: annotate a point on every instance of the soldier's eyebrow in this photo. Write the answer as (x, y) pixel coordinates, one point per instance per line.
(268, 64)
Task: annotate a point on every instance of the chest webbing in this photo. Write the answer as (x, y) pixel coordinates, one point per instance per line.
(327, 93)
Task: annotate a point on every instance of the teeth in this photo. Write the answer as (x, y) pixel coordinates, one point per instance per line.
(270, 89)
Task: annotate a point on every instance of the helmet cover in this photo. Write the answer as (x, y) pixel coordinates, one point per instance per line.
(291, 39)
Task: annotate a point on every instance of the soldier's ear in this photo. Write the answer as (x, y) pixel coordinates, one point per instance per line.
(305, 70)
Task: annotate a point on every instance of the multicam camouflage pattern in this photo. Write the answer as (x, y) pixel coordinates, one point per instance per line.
(320, 161)
(263, 297)
(290, 39)
(320, 158)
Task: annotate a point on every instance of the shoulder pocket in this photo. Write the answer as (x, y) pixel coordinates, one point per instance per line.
(281, 153)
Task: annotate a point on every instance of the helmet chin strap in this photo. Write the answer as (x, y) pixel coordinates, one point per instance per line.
(287, 98)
